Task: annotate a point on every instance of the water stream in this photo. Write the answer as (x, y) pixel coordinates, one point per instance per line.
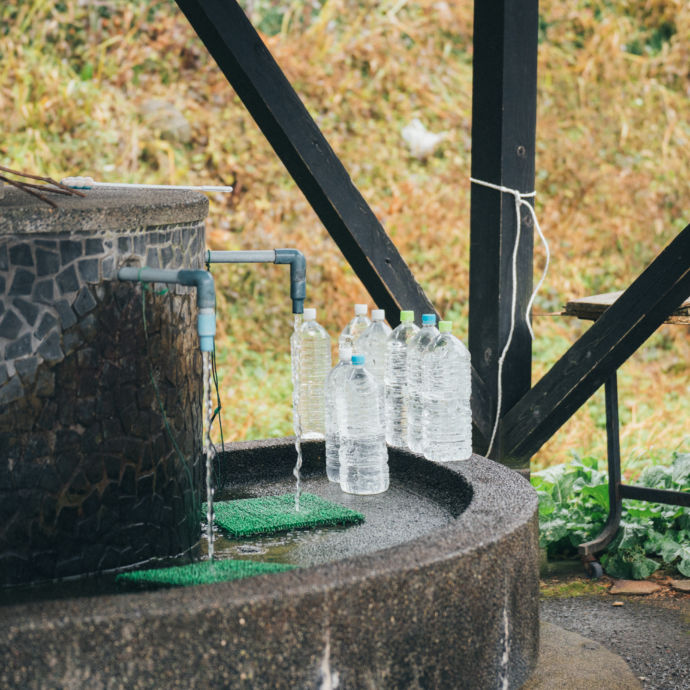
(208, 449)
(296, 350)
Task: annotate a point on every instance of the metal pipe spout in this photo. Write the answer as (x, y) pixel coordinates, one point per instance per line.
(294, 257)
(198, 278)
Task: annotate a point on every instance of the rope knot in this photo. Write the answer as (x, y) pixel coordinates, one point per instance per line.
(520, 200)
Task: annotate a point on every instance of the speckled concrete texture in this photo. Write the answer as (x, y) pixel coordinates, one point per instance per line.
(100, 209)
(454, 608)
(568, 661)
(651, 634)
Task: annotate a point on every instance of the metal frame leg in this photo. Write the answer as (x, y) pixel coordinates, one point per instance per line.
(607, 535)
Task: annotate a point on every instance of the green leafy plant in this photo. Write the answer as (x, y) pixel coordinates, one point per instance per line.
(573, 506)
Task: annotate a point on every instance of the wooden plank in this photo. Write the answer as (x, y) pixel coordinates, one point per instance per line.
(270, 99)
(504, 102)
(591, 308)
(618, 332)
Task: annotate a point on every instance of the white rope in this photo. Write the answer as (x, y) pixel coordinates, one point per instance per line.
(520, 200)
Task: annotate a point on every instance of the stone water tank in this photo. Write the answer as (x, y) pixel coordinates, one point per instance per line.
(90, 479)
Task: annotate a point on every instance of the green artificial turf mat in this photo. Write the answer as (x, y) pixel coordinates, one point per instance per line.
(252, 516)
(202, 573)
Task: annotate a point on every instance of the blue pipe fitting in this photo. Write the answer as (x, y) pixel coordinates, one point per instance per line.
(298, 276)
(206, 327)
(205, 293)
(205, 287)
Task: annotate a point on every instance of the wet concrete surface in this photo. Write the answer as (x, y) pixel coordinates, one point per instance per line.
(392, 518)
(651, 635)
(448, 600)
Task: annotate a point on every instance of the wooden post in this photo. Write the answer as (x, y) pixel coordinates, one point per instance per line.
(504, 103)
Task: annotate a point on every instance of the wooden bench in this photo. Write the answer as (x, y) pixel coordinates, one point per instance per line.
(591, 308)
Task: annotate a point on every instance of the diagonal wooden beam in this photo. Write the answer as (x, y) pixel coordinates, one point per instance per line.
(618, 332)
(258, 80)
(247, 64)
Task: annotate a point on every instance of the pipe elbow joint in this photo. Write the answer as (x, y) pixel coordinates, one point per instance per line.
(298, 276)
(205, 287)
(205, 294)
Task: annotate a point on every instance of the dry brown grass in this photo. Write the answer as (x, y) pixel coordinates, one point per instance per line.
(613, 177)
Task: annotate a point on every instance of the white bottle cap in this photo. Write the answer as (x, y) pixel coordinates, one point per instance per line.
(361, 309)
(309, 313)
(378, 314)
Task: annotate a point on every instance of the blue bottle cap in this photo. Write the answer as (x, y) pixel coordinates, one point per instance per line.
(428, 319)
(358, 359)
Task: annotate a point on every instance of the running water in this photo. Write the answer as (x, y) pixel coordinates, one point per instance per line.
(296, 349)
(208, 450)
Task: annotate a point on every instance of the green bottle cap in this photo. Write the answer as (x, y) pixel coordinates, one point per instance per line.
(445, 326)
(406, 316)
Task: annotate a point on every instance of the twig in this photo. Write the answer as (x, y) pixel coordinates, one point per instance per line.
(42, 187)
(23, 185)
(49, 180)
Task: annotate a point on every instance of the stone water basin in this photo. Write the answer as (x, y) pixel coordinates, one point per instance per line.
(437, 589)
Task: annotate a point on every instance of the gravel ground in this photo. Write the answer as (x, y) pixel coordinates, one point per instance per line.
(652, 635)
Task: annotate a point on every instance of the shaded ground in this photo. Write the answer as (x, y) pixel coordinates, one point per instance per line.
(569, 661)
(651, 633)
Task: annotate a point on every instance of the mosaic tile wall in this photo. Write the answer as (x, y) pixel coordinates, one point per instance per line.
(89, 478)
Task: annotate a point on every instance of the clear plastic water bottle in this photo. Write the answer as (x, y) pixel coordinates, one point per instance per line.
(395, 380)
(363, 452)
(335, 402)
(446, 414)
(413, 393)
(311, 362)
(372, 344)
(358, 324)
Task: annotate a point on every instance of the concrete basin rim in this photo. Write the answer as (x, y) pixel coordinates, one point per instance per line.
(102, 210)
(438, 546)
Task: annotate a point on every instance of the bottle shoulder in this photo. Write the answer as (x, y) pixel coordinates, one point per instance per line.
(339, 372)
(360, 376)
(452, 343)
(313, 329)
(376, 333)
(404, 331)
(423, 338)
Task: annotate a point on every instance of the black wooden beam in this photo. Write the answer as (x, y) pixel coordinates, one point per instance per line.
(618, 332)
(504, 107)
(240, 53)
(247, 64)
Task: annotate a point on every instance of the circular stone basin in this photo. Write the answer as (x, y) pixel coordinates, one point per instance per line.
(438, 588)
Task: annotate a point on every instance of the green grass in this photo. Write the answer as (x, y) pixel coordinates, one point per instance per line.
(612, 171)
(573, 588)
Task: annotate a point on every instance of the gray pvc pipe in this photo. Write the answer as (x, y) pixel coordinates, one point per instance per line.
(202, 280)
(259, 256)
(294, 257)
(205, 294)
